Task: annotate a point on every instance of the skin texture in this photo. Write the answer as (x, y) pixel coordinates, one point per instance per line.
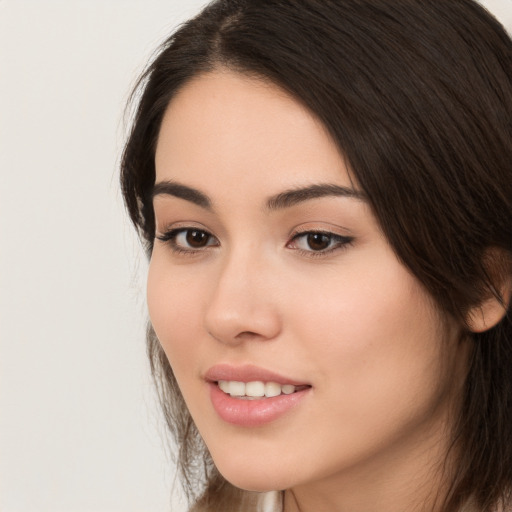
(384, 365)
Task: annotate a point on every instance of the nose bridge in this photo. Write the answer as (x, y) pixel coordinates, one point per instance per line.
(242, 301)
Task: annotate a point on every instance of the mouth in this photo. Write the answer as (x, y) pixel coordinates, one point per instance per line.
(257, 390)
(249, 396)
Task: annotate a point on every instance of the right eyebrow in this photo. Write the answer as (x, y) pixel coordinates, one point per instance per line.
(183, 192)
(292, 197)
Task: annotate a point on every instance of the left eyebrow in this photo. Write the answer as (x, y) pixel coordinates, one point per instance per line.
(292, 197)
(175, 189)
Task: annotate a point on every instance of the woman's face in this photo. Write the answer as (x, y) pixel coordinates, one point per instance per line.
(269, 268)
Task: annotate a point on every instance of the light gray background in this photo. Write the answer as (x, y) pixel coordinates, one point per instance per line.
(79, 428)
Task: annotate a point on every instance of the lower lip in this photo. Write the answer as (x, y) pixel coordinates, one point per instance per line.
(253, 413)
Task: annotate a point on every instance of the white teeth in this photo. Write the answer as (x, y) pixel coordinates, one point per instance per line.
(255, 389)
(288, 389)
(224, 385)
(272, 389)
(236, 388)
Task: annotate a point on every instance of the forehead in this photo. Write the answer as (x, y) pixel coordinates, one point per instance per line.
(240, 129)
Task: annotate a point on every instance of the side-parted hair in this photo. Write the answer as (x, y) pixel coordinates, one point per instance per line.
(417, 95)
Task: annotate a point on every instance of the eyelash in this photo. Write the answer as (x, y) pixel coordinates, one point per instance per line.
(339, 242)
(170, 236)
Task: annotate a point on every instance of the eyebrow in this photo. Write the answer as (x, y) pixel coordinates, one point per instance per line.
(280, 201)
(292, 197)
(175, 189)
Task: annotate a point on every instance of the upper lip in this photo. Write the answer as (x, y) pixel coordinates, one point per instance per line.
(247, 373)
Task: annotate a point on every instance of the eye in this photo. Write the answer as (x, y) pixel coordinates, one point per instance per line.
(188, 239)
(193, 238)
(319, 242)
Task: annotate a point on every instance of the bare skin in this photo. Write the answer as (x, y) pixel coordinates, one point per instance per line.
(308, 288)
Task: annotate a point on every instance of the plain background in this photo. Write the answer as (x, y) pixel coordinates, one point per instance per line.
(79, 427)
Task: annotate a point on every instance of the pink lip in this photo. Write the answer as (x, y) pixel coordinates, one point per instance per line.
(247, 373)
(251, 413)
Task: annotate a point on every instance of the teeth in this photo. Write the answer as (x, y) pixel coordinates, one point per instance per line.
(236, 388)
(272, 389)
(224, 385)
(288, 389)
(255, 389)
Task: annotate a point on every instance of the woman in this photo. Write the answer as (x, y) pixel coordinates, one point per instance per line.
(324, 191)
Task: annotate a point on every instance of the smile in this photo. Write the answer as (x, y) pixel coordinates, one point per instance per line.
(251, 396)
(248, 411)
(256, 389)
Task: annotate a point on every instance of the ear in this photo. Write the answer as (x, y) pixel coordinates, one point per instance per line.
(493, 308)
(486, 315)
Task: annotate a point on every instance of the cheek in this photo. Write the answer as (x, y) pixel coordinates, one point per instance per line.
(161, 296)
(376, 337)
(362, 306)
(173, 299)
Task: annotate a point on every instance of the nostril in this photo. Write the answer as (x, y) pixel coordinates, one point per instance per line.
(247, 334)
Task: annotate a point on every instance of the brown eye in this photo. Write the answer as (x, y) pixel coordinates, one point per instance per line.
(191, 240)
(318, 241)
(197, 239)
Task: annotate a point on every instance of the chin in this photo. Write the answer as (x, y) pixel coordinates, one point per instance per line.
(253, 484)
(254, 479)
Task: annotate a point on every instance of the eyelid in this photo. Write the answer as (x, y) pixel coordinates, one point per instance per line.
(167, 228)
(169, 236)
(337, 240)
(343, 241)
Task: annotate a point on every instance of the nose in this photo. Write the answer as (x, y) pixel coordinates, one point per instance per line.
(243, 304)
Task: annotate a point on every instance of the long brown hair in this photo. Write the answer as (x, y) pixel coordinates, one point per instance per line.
(417, 94)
